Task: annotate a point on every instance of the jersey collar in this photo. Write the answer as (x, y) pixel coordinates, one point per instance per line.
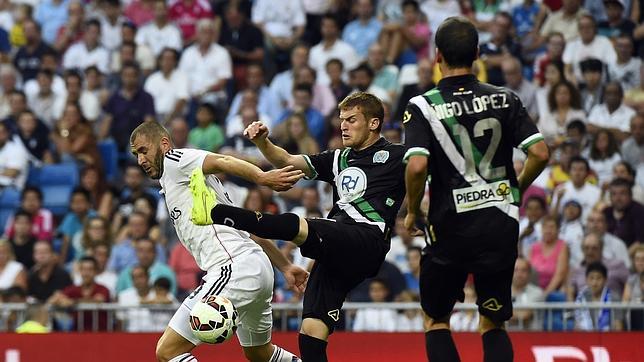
(457, 80)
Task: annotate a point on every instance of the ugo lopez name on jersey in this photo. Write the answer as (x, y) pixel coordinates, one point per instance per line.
(476, 105)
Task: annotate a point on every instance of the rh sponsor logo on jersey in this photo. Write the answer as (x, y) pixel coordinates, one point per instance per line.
(351, 184)
(482, 196)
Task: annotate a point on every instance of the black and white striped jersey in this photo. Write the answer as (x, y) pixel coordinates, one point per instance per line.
(368, 185)
(468, 130)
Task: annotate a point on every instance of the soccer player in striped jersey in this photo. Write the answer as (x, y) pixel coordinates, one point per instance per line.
(462, 134)
(236, 266)
(351, 243)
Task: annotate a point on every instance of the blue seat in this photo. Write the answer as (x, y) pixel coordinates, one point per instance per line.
(61, 174)
(56, 198)
(33, 178)
(9, 203)
(110, 157)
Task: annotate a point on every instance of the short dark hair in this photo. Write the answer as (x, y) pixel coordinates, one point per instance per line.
(132, 65)
(591, 65)
(412, 3)
(538, 199)
(380, 281)
(620, 182)
(457, 40)
(597, 266)
(335, 61)
(304, 87)
(89, 259)
(46, 72)
(577, 124)
(81, 191)
(93, 22)
(332, 17)
(21, 213)
(163, 283)
(29, 189)
(629, 168)
(364, 67)
(370, 105)
(580, 159)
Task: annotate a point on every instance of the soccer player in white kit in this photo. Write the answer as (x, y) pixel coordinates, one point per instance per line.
(237, 267)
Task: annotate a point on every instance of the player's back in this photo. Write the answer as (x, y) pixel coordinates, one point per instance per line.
(212, 245)
(471, 132)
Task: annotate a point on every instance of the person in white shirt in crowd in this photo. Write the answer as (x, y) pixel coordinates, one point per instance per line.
(572, 228)
(632, 148)
(592, 89)
(141, 293)
(564, 106)
(88, 101)
(409, 320)
(524, 291)
(626, 69)
(208, 65)
(268, 102)
(376, 319)
(397, 254)
(43, 102)
(249, 100)
(49, 61)
(8, 83)
(386, 76)
(281, 21)
(527, 92)
(331, 46)
(168, 86)
(623, 169)
(465, 320)
(613, 114)
(613, 247)
(437, 11)
(585, 193)
(111, 19)
(282, 83)
(14, 158)
(603, 156)
(323, 99)
(142, 54)
(89, 51)
(589, 44)
(160, 33)
(530, 224)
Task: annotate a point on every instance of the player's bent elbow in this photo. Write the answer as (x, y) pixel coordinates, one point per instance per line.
(540, 152)
(417, 166)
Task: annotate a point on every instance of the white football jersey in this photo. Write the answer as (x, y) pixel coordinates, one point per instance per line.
(213, 245)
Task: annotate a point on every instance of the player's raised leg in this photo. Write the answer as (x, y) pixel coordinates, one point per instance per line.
(172, 347)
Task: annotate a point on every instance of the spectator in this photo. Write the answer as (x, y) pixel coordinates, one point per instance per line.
(412, 276)
(635, 97)
(564, 20)
(409, 320)
(530, 225)
(323, 98)
(89, 51)
(335, 70)
(13, 160)
(42, 219)
(385, 76)
(74, 138)
(243, 40)
(282, 83)
(362, 32)
(186, 269)
(577, 189)
(555, 44)
(626, 69)
(101, 196)
(572, 227)
(8, 84)
(303, 96)
(612, 246)
(13, 319)
(42, 102)
(411, 34)
(589, 44)
(112, 20)
(22, 241)
(513, 79)
(28, 57)
(123, 253)
(72, 30)
(36, 320)
(465, 320)
(48, 61)
(88, 291)
(624, 216)
(332, 47)
(186, 14)
(207, 65)
(95, 84)
(96, 231)
(126, 108)
(564, 105)
(527, 18)
(268, 103)
(168, 86)
(137, 319)
(372, 319)
(140, 12)
(89, 102)
(207, 135)
(34, 135)
(634, 288)
(553, 75)
(12, 273)
(80, 211)
(179, 131)
(632, 149)
(524, 292)
(133, 189)
(361, 79)
(160, 33)
(51, 15)
(592, 89)
(613, 114)
(617, 22)
(16, 28)
(604, 155)
(148, 208)
(624, 170)
(424, 84)
(296, 138)
(46, 276)
(107, 278)
(576, 133)
(596, 290)
(592, 249)
(549, 257)
(560, 171)
(436, 11)
(140, 54)
(147, 258)
(499, 48)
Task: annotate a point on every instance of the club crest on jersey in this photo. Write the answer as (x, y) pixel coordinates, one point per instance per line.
(380, 157)
(351, 184)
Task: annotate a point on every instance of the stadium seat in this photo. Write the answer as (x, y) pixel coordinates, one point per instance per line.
(408, 75)
(60, 174)
(33, 178)
(110, 157)
(56, 198)
(9, 202)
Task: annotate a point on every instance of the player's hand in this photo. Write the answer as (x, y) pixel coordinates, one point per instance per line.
(281, 179)
(410, 225)
(296, 277)
(256, 131)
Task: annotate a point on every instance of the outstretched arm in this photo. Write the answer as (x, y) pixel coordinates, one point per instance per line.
(257, 132)
(295, 276)
(279, 180)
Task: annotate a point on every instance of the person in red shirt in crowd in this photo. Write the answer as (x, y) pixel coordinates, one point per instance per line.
(42, 226)
(87, 292)
(555, 45)
(185, 267)
(186, 13)
(140, 12)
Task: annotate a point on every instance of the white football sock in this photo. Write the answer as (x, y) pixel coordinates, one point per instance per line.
(282, 355)
(186, 357)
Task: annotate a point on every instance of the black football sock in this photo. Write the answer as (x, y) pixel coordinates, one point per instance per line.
(312, 349)
(283, 227)
(497, 346)
(440, 346)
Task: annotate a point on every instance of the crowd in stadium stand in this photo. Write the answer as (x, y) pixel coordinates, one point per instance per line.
(76, 77)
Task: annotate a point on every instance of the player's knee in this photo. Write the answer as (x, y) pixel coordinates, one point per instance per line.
(487, 324)
(315, 328)
(431, 324)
